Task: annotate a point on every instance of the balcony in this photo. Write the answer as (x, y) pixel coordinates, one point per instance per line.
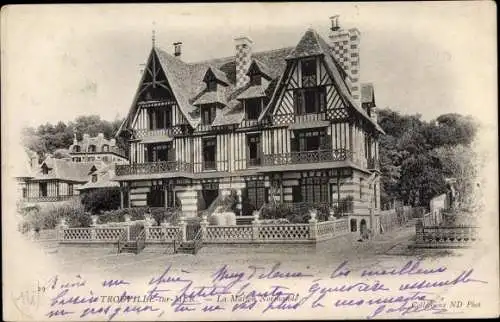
(300, 157)
(171, 131)
(153, 167)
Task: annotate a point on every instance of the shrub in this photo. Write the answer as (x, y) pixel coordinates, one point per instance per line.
(137, 213)
(48, 216)
(100, 200)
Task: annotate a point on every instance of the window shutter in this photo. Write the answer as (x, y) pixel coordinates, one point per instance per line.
(322, 100)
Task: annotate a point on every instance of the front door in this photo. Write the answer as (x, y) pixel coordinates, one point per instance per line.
(209, 196)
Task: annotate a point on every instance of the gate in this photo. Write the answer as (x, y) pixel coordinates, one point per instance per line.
(192, 230)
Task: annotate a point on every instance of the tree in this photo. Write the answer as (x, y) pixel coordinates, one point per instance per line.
(61, 154)
(459, 162)
(100, 200)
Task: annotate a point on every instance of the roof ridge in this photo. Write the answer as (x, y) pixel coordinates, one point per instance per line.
(207, 61)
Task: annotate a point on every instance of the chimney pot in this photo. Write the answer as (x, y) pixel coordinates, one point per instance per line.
(335, 23)
(177, 48)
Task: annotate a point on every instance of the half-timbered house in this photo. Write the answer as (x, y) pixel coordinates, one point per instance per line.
(280, 125)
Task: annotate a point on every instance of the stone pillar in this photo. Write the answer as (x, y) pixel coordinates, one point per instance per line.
(164, 225)
(122, 197)
(183, 225)
(204, 225)
(255, 226)
(60, 228)
(313, 225)
(148, 222)
(128, 222)
(93, 234)
(240, 202)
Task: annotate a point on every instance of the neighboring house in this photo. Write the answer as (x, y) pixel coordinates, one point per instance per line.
(291, 125)
(100, 178)
(55, 180)
(96, 149)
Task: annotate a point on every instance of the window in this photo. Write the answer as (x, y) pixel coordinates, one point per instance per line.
(208, 114)
(70, 189)
(211, 85)
(43, 189)
(45, 169)
(160, 152)
(253, 149)
(90, 159)
(253, 108)
(354, 225)
(256, 194)
(94, 178)
(105, 148)
(375, 195)
(156, 197)
(25, 193)
(91, 148)
(76, 148)
(209, 150)
(160, 118)
(309, 73)
(311, 140)
(255, 79)
(361, 188)
(310, 100)
(315, 189)
(105, 158)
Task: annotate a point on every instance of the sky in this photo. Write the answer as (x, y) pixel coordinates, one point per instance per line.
(62, 61)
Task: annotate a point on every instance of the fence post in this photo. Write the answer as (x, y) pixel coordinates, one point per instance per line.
(128, 222)
(60, 230)
(255, 226)
(93, 226)
(203, 226)
(313, 226)
(419, 231)
(163, 226)
(183, 226)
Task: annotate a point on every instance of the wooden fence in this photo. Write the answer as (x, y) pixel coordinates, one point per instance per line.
(253, 233)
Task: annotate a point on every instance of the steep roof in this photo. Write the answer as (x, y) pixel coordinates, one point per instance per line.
(104, 179)
(99, 142)
(63, 170)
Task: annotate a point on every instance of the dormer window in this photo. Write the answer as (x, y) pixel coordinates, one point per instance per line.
(208, 112)
(91, 148)
(105, 148)
(45, 169)
(212, 85)
(94, 178)
(253, 108)
(76, 148)
(309, 73)
(255, 79)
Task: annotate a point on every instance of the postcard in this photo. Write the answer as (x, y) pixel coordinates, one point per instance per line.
(249, 161)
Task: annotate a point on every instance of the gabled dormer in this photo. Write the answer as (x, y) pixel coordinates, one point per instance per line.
(258, 74)
(213, 78)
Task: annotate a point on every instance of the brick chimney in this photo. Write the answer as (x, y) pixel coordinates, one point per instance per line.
(243, 57)
(177, 48)
(345, 48)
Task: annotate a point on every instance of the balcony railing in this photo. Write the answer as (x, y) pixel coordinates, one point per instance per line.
(293, 118)
(211, 166)
(49, 198)
(153, 167)
(171, 131)
(306, 157)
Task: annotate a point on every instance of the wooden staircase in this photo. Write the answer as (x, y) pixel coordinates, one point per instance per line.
(191, 246)
(135, 245)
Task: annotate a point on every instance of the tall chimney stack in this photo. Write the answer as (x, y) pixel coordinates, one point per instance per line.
(345, 49)
(243, 46)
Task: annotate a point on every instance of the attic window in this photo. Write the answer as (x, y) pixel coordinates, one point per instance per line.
(252, 108)
(105, 148)
(76, 148)
(309, 73)
(45, 169)
(91, 148)
(211, 85)
(208, 112)
(255, 79)
(94, 178)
